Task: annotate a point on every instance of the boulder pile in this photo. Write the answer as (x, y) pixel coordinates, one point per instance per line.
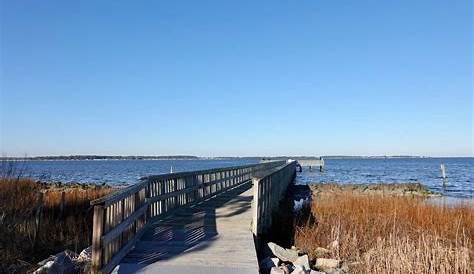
(66, 262)
(280, 260)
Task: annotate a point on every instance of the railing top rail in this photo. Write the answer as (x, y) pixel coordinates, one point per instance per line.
(120, 194)
(195, 172)
(263, 174)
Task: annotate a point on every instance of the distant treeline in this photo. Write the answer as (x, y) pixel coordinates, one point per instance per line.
(370, 157)
(190, 157)
(100, 157)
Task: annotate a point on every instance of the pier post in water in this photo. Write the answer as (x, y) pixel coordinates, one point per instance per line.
(443, 174)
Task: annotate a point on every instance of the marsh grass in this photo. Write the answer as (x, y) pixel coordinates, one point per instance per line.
(390, 234)
(70, 230)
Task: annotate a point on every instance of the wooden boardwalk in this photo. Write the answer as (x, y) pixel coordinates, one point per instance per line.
(213, 236)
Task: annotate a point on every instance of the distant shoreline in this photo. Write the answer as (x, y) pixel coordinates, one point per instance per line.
(190, 157)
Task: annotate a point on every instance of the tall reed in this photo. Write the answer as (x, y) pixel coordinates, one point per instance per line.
(69, 228)
(390, 234)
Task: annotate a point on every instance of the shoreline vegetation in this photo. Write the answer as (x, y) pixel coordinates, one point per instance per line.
(385, 228)
(378, 228)
(41, 219)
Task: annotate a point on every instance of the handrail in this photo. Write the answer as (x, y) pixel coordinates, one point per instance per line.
(268, 189)
(120, 218)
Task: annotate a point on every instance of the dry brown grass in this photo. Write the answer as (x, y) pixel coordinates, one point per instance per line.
(388, 234)
(18, 203)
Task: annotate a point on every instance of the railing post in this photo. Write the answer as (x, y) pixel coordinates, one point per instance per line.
(98, 226)
(147, 196)
(256, 204)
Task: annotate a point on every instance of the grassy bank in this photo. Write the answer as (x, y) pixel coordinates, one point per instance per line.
(69, 228)
(383, 233)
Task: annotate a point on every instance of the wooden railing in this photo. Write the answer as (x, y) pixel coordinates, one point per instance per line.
(268, 189)
(120, 218)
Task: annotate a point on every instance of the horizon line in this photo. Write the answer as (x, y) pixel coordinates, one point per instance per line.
(254, 156)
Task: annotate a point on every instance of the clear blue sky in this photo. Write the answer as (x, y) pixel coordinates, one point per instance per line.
(236, 78)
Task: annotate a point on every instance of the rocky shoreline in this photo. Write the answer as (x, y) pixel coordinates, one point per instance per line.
(280, 260)
(58, 186)
(394, 189)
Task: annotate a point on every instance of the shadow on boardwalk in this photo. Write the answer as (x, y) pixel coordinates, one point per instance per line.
(185, 231)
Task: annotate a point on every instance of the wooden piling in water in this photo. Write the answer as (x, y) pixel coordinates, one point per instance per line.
(443, 171)
(443, 174)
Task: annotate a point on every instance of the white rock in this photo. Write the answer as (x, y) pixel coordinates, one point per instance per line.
(298, 205)
(299, 270)
(276, 270)
(316, 272)
(61, 263)
(45, 268)
(326, 264)
(302, 261)
(286, 255)
(287, 268)
(268, 263)
(85, 255)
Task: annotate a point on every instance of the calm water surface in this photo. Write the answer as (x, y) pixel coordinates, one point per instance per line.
(116, 171)
(427, 171)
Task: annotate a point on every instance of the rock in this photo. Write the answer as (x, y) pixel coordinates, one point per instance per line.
(286, 255)
(85, 255)
(321, 252)
(45, 268)
(286, 268)
(276, 270)
(268, 263)
(299, 270)
(327, 264)
(300, 252)
(316, 272)
(298, 205)
(61, 263)
(302, 261)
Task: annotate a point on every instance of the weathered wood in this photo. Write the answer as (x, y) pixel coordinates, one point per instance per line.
(125, 213)
(98, 224)
(121, 254)
(255, 206)
(211, 237)
(116, 231)
(269, 188)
